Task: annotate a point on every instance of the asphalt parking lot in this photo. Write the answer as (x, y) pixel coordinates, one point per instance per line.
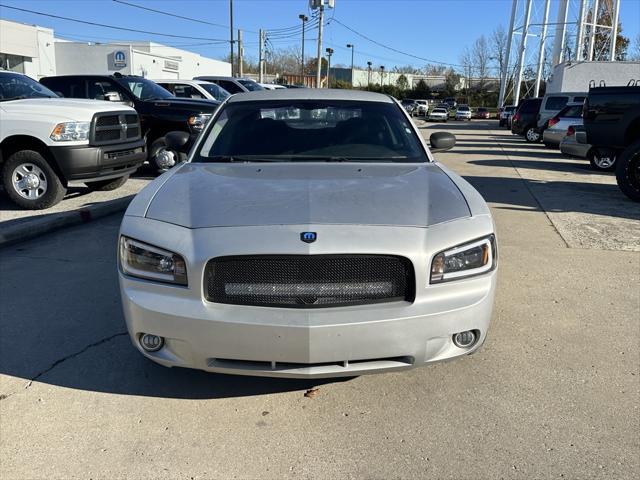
(554, 393)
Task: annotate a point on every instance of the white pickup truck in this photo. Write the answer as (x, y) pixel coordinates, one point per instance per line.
(46, 142)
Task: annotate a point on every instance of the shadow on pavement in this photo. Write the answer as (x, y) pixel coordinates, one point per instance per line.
(572, 166)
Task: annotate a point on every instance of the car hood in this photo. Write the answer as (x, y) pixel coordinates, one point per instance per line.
(70, 108)
(193, 103)
(201, 195)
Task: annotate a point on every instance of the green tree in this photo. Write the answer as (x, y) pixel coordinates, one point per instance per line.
(402, 83)
(601, 44)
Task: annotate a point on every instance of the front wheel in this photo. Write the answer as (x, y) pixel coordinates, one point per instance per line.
(107, 185)
(532, 135)
(603, 160)
(628, 172)
(30, 182)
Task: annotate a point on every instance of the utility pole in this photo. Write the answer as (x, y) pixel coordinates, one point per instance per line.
(261, 56)
(320, 29)
(505, 67)
(329, 53)
(543, 38)
(381, 75)
(231, 34)
(304, 19)
(523, 47)
(240, 53)
(369, 75)
(351, 46)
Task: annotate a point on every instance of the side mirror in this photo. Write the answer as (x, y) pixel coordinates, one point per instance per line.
(441, 141)
(179, 141)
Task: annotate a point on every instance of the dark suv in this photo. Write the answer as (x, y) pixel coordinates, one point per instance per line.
(524, 122)
(160, 112)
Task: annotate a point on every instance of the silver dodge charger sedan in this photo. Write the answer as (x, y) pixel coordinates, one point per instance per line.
(310, 234)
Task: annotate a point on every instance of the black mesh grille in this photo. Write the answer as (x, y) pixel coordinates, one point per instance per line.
(107, 135)
(133, 132)
(107, 121)
(131, 119)
(308, 281)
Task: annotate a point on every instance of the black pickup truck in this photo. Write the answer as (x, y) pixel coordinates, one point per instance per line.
(159, 111)
(612, 124)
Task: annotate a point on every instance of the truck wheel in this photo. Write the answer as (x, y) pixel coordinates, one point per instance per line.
(30, 182)
(160, 158)
(602, 160)
(628, 172)
(532, 135)
(107, 185)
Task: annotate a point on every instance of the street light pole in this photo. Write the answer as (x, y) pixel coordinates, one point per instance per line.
(381, 75)
(231, 35)
(351, 46)
(304, 19)
(369, 75)
(329, 53)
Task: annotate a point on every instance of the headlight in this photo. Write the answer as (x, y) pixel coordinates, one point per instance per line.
(152, 263)
(70, 131)
(197, 122)
(465, 260)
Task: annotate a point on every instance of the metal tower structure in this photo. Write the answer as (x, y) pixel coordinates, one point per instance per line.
(580, 30)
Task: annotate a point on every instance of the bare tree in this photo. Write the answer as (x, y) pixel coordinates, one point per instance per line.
(635, 54)
(435, 70)
(481, 52)
(498, 44)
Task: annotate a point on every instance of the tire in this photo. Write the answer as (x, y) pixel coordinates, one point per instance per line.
(532, 135)
(107, 185)
(628, 172)
(603, 160)
(156, 148)
(45, 188)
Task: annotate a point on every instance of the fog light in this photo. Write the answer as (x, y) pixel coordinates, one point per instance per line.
(464, 339)
(151, 343)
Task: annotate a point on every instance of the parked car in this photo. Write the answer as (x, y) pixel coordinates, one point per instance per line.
(271, 86)
(569, 145)
(439, 115)
(612, 123)
(299, 270)
(47, 141)
(558, 124)
(160, 112)
(451, 102)
(506, 114)
(231, 84)
(463, 112)
(421, 108)
(198, 89)
(409, 105)
(524, 120)
(482, 113)
(553, 103)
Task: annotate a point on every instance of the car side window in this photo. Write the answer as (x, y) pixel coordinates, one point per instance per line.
(185, 91)
(99, 90)
(556, 103)
(578, 99)
(229, 86)
(167, 86)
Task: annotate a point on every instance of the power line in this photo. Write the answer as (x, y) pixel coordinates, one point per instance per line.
(428, 60)
(173, 15)
(113, 27)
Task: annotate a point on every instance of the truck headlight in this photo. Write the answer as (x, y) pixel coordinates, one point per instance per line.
(141, 260)
(70, 131)
(466, 260)
(198, 122)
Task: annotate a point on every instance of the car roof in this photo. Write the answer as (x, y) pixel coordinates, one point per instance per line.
(311, 94)
(178, 80)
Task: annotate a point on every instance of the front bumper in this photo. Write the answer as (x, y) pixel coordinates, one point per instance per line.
(110, 161)
(306, 343)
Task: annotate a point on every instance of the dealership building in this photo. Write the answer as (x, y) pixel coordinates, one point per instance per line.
(35, 51)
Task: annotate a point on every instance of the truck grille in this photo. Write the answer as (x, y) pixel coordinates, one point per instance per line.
(114, 127)
(308, 281)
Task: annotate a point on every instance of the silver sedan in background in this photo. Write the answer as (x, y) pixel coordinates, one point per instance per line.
(439, 115)
(321, 245)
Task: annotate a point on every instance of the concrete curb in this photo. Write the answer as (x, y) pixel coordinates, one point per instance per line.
(37, 226)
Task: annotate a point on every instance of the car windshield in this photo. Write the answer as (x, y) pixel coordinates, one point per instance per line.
(216, 91)
(144, 89)
(14, 86)
(251, 85)
(311, 130)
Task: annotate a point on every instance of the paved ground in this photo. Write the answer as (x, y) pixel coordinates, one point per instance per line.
(554, 392)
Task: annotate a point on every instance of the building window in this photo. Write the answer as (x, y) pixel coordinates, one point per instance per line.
(13, 63)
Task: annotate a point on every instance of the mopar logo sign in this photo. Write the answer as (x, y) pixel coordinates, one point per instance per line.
(308, 237)
(120, 59)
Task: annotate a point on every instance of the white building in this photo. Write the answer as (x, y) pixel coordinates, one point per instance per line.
(35, 51)
(147, 59)
(577, 76)
(27, 49)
